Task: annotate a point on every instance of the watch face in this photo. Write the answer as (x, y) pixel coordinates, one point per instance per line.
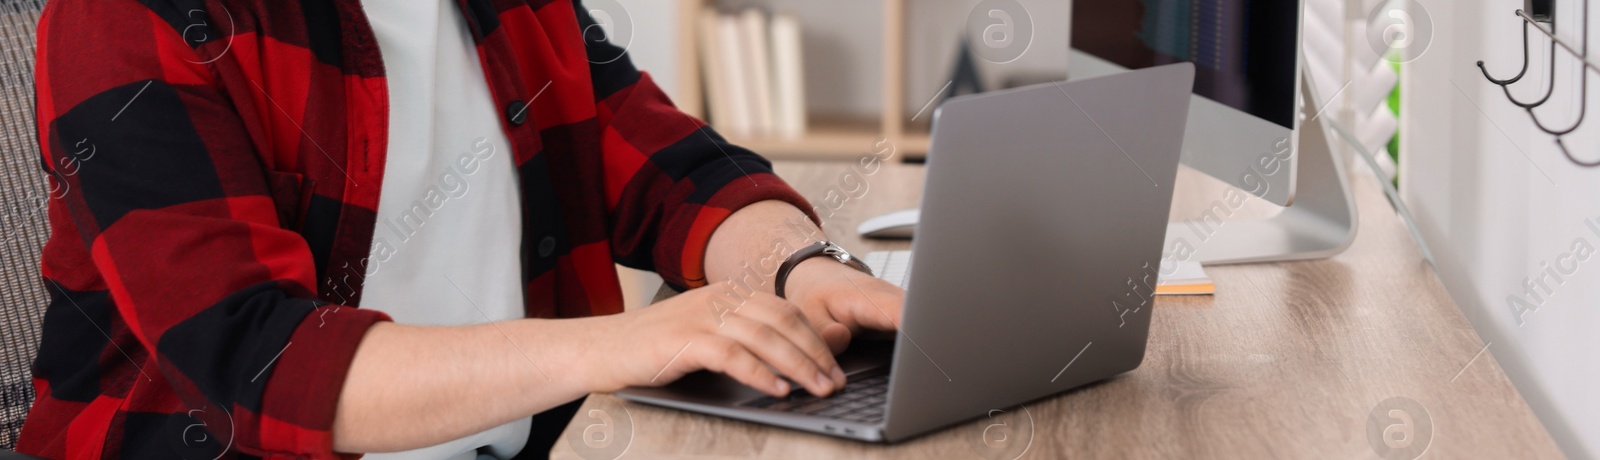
(842, 256)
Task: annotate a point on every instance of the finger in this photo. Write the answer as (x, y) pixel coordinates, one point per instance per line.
(790, 321)
(774, 349)
(731, 358)
(836, 335)
(822, 322)
(875, 304)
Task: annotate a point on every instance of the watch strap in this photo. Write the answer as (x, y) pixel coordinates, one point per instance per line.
(818, 249)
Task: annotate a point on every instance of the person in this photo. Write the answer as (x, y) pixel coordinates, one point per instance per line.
(318, 228)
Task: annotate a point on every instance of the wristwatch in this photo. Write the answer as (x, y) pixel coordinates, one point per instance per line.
(818, 249)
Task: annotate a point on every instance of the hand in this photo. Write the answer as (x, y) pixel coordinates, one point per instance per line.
(840, 301)
(746, 336)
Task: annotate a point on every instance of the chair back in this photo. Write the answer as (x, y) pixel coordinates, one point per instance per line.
(23, 226)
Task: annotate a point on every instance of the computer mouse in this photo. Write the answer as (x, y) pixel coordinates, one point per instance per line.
(894, 225)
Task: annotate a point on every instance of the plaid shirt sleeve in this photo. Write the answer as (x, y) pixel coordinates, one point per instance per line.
(193, 276)
(670, 179)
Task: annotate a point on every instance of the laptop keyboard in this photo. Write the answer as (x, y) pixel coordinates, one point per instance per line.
(891, 266)
(863, 401)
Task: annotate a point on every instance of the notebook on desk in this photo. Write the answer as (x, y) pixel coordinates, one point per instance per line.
(1184, 278)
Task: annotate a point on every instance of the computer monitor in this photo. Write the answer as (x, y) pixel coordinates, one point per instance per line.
(1247, 77)
(1253, 123)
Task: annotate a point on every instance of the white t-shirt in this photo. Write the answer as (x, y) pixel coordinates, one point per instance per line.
(447, 241)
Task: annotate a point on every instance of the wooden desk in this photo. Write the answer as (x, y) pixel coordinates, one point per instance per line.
(1286, 361)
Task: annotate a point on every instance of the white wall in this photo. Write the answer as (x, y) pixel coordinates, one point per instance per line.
(1498, 203)
(654, 47)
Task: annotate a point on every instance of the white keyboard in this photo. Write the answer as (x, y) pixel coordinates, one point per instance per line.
(891, 266)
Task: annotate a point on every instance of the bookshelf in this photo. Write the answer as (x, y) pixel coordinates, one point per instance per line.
(827, 137)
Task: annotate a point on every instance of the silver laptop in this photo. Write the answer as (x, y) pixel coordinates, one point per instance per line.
(1045, 208)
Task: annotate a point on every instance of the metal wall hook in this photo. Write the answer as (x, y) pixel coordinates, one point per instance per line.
(1583, 110)
(1583, 98)
(1520, 73)
(1550, 91)
(1505, 85)
(1587, 164)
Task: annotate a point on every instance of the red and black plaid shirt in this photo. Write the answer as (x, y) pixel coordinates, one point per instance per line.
(216, 167)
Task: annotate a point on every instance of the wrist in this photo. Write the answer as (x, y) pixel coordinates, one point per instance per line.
(811, 273)
(601, 351)
(583, 358)
(818, 255)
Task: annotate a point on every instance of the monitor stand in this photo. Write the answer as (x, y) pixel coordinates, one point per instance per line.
(1320, 223)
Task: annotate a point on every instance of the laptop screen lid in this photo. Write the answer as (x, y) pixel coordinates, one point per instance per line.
(1041, 204)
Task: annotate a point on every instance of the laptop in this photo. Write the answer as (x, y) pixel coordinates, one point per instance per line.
(1043, 207)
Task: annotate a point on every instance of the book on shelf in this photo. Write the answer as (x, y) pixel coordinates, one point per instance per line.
(788, 72)
(740, 120)
(754, 74)
(757, 70)
(714, 67)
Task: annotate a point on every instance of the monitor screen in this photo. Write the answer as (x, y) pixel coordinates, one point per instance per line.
(1244, 51)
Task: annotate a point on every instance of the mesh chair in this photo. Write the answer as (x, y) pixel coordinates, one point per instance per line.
(23, 227)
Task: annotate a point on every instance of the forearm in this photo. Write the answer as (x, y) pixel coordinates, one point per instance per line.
(415, 386)
(754, 240)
